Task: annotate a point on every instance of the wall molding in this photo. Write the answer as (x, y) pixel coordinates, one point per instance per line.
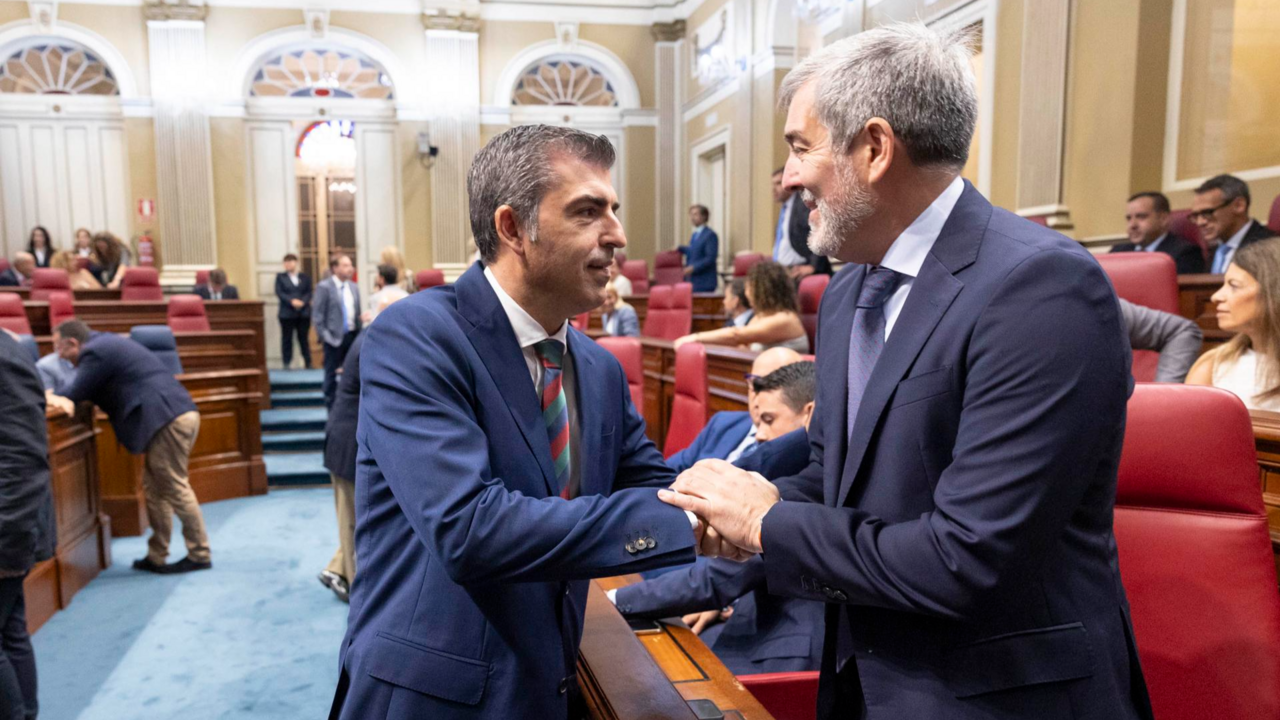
(624, 83)
(711, 97)
(11, 34)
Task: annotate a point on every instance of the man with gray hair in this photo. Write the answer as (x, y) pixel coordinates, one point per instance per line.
(500, 464)
(973, 378)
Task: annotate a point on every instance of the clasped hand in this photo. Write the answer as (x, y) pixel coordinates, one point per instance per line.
(730, 504)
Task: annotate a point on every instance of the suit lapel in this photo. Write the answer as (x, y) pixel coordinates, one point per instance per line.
(590, 422)
(834, 391)
(495, 341)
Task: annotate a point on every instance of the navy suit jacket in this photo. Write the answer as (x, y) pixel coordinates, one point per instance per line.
(473, 572)
(766, 633)
(229, 292)
(340, 429)
(701, 254)
(287, 291)
(1187, 256)
(722, 433)
(964, 541)
(131, 385)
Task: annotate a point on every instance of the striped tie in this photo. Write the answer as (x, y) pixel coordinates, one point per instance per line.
(555, 410)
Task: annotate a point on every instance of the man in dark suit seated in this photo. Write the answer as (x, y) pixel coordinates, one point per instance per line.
(730, 434)
(500, 464)
(973, 374)
(737, 308)
(293, 290)
(1147, 216)
(702, 253)
(152, 415)
(762, 633)
(1221, 210)
(217, 287)
(791, 240)
(20, 272)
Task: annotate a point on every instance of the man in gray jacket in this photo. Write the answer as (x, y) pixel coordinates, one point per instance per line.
(1176, 338)
(335, 313)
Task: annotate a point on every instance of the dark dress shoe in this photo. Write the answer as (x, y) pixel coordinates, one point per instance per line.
(186, 565)
(337, 584)
(148, 566)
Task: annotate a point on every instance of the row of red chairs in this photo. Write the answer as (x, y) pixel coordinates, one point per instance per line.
(185, 313)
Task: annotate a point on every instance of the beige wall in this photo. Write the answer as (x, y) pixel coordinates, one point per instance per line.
(231, 202)
(123, 27)
(499, 43)
(415, 183)
(140, 136)
(11, 10)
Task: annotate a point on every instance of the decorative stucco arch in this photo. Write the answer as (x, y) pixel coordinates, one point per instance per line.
(14, 33)
(614, 69)
(267, 44)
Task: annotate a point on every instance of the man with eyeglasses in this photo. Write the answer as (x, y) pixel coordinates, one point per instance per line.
(1221, 210)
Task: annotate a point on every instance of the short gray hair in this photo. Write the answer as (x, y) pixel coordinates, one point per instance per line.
(514, 169)
(1231, 186)
(917, 79)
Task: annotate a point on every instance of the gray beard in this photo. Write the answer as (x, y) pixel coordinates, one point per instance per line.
(841, 214)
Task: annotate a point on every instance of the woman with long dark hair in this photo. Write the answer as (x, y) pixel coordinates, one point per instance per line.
(776, 320)
(107, 263)
(40, 245)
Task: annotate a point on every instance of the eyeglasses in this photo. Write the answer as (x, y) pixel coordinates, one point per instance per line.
(1208, 214)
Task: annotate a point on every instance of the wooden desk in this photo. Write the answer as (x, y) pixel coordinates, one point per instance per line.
(98, 294)
(726, 382)
(226, 461)
(621, 681)
(708, 311)
(1194, 292)
(202, 351)
(84, 533)
(1266, 438)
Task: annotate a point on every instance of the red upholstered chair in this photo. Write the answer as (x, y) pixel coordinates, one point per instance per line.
(1180, 223)
(12, 315)
(60, 308)
(1195, 556)
(689, 404)
(811, 289)
(787, 695)
(48, 280)
(668, 268)
(1273, 220)
(1039, 220)
(581, 322)
(631, 355)
(682, 299)
(186, 314)
(656, 317)
(1149, 279)
(202, 277)
(742, 263)
(4, 264)
(637, 271)
(141, 283)
(428, 279)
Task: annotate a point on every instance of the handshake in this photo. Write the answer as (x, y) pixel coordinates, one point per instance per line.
(730, 504)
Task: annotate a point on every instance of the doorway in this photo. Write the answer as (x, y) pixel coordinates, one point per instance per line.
(711, 162)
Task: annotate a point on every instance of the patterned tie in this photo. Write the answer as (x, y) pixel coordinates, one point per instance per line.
(867, 338)
(555, 410)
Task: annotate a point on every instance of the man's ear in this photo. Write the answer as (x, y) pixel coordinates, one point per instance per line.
(510, 231)
(880, 148)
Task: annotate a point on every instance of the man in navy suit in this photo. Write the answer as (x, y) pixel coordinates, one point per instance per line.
(293, 290)
(217, 287)
(1147, 217)
(500, 464)
(702, 252)
(973, 377)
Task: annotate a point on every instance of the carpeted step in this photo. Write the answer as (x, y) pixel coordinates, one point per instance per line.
(297, 398)
(296, 379)
(293, 420)
(310, 441)
(296, 469)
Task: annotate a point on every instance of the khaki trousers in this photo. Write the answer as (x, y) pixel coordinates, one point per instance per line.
(344, 501)
(168, 491)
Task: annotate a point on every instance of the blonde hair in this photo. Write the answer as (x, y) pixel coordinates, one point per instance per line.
(64, 260)
(390, 255)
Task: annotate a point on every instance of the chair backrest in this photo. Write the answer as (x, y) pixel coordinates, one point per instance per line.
(1195, 555)
(1273, 220)
(689, 402)
(1149, 279)
(668, 268)
(637, 271)
(1180, 223)
(630, 354)
(428, 278)
(811, 290)
(28, 343)
(202, 277)
(786, 695)
(141, 283)
(581, 321)
(159, 340)
(742, 263)
(60, 308)
(670, 312)
(47, 280)
(186, 314)
(12, 315)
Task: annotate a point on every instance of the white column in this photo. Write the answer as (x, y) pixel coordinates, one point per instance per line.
(184, 164)
(453, 93)
(669, 76)
(1042, 115)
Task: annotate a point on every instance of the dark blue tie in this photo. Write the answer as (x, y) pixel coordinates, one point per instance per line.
(867, 338)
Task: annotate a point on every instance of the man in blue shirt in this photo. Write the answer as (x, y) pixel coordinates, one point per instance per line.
(701, 252)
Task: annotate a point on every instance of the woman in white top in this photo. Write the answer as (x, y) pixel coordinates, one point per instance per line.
(388, 292)
(776, 318)
(1249, 305)
(84, 243)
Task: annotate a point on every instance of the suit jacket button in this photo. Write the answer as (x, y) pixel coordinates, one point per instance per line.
(650, 543)
(564, 686)
(631, 548)
(839, 596)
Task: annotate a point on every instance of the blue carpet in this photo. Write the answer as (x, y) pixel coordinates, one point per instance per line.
(293, 441)
(293, 419)
(305, 468)
(256, 637)
(298, 398)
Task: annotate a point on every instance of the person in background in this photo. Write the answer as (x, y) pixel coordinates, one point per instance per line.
(20, 271)
(621, 282)
(336, 314)
(1248, 305)
(776, 318)
(390, 255)
(619, 317)
(340, 460)
(1176, 338)
(27, 526)
(737, 308)
(791, 239)
(217, 287)
(387, 281)
(293, 289)
(40, 245)
(84, 243)
(56, 372)
(1221, 210)
(702, 252)
(80, 278)
(108, 261)
(1147, 217)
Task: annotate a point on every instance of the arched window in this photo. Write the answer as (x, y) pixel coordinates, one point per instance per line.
(56, 66)
(323, 72)
(564, 81)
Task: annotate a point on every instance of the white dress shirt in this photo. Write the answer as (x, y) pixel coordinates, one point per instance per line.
(293, 278)
(1155, 244)
(907, 253)
(1234, 244)
(747, 441)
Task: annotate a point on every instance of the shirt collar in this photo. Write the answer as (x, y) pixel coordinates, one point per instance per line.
(907, 253)
(1154, 244)
(1236, 239)
(529, 332)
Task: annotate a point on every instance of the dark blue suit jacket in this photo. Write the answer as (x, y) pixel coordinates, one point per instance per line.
(130, 384)
(766, 633)
(965, 537)
(473, 572)
(722, 433)
(701, 254)
(340, 428)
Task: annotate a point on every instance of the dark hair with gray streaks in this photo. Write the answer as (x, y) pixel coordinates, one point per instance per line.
(916, 78)
(514, 169)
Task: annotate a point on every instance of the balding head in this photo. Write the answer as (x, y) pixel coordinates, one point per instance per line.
(772, 359)
(24, 262)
